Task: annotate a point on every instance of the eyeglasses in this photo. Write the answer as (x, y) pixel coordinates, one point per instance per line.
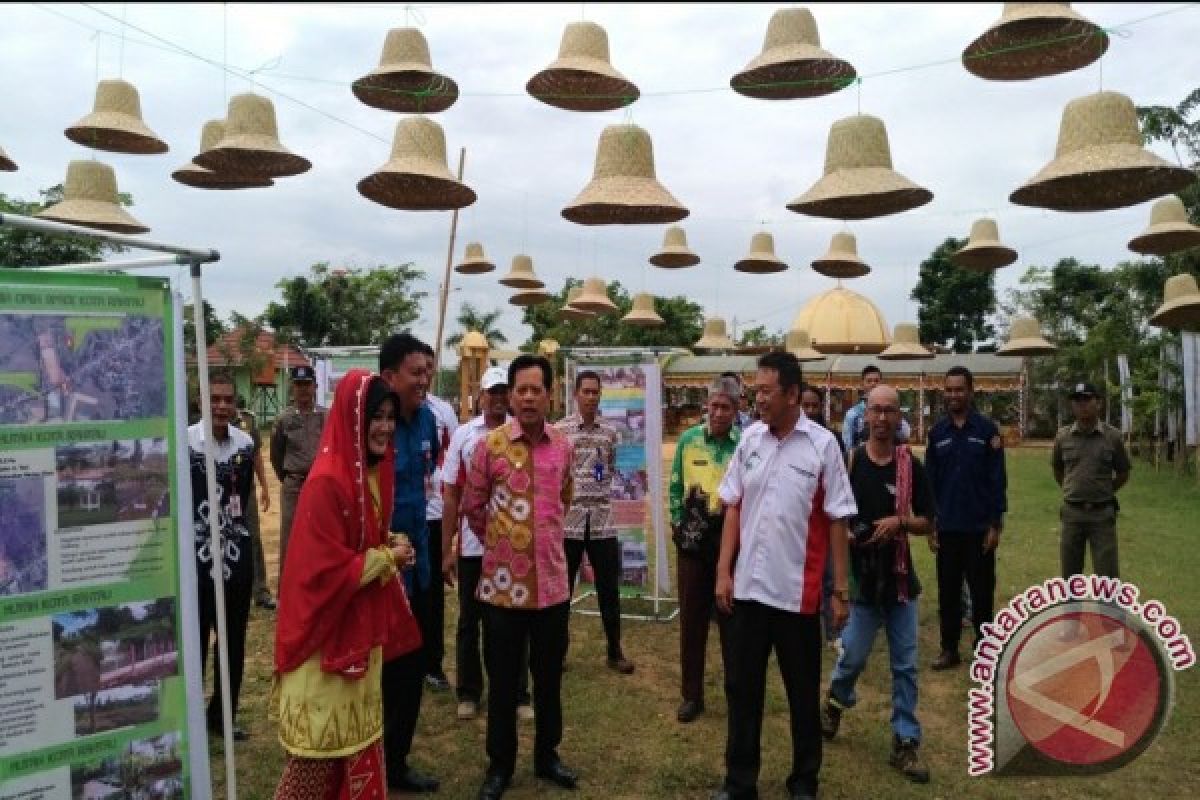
(882, 411)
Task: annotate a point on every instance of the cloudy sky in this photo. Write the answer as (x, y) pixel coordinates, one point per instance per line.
(735, 162)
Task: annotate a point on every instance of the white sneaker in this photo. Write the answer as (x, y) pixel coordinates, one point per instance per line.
(525, 712)
(467, 710)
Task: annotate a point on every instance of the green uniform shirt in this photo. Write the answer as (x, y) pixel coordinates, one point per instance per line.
(1089, 460)
(696, 472)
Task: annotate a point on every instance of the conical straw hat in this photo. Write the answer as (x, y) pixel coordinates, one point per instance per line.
(6, 163)
(416, 177)
(90, 199)
(405, 80)
(859, 182)
(1025, 339)
(761, 259)
(906, 345)
(520, 274)
(841, 261)
(116, 123)
(798, 343)
(643, 314)
(547, 348)
(675, 252)
(624, 189)
(251, 144)
(1169, 230)
(474, 262)
(1033, 40)
(192, 174)
(529, 297)
(1100, 163)
(715, 337)
(792, 63)
(569, 311)
(1181, 304)
(583, 78)
(984, 250)
(594, 297)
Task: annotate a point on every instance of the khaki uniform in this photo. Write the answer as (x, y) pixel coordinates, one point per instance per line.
(1089, 461)
(294, 444)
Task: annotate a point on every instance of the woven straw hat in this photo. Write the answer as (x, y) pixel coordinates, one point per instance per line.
(594, 297)
(624, 189)
(529, 297)
(1100, 163)
(416, 177)
(196, 176)
(569, 311)
(474, 261)
(90, 199)
(1033, 40)
(842, 260)
(1025, 339)
(715, 337)
(798, 343)
(520, 274)
(859, 182)
(6, 163)
(251, 144)
(906, 345)
(643, 314)
(583, 78)
(792, 63)
(116, 124)
(675, 252)
(1169, 230)
(984, 250)
(761, 259)
(1181, 304)
(405, 79)
(547, 348)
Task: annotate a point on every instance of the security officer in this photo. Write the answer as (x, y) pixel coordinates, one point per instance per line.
(1091, 465)
(294, 445)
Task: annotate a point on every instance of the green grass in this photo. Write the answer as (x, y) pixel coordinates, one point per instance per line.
(78, 517)
(621, 734)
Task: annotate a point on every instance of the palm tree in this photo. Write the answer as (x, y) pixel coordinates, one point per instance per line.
(472, 319)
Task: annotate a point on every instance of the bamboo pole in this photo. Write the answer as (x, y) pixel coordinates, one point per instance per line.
(437, 348)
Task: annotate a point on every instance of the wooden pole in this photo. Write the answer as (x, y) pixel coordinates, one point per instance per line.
(437, 348)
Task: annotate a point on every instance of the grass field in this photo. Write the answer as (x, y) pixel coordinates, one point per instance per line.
(621, 733)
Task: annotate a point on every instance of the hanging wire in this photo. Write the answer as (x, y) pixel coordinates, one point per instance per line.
(121, 60)
(225, 54)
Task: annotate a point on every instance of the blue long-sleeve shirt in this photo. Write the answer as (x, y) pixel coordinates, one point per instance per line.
(416, 443)
(966, 469)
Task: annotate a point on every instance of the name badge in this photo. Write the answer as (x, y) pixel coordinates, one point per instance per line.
(235, 505)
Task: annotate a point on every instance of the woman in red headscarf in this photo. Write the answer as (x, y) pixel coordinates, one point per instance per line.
(342, 608)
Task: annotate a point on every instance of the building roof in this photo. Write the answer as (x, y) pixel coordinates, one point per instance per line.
(227, 352)
(842, 321)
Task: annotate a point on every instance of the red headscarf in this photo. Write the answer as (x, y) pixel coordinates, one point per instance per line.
(321, 606)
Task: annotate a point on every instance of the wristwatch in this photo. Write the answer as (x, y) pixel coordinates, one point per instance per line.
(842, 594)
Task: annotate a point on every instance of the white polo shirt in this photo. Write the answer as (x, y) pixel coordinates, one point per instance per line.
(789, 491)
(447, 424)
(454, 473)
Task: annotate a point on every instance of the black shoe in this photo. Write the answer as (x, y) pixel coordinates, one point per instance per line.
(414, 782)
(493, 786)
(831, 718)
(438, 683)
(689, 710)
(801, 794)
(947, 659)
(725, 794)
(557, 773)
(239, 734)
(266, 601)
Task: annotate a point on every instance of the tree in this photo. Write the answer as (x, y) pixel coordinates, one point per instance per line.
(20, 248)
(341, 307)
(684, 321)
(758, 337)
(954, 303)
(213, 327)
(471, 319)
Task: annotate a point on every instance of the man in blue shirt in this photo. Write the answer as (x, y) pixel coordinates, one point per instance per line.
(965, 461)
(854, 428)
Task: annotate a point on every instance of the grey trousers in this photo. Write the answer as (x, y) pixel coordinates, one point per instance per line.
(1081, 527)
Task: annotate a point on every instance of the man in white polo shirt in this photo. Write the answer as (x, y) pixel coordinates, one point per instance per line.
(788, 499)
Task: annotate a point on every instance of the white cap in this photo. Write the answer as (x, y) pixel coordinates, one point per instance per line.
(493, 377)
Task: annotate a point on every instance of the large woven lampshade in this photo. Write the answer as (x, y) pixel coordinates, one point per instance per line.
(198, 177)
(798, 343)
(1100, 163)
(570, 311)
(792, 63)
(906, 345)
(6, 163)
(529, 297)
(251, 144)
(624, 189)
(643, 314)
(405, 80)
(761, 259)
(714, 336)
(675, 252)
(521, 275)
(1033, 40)
(1025, 339)
(1181, 304)
(859, 182)
(1169, 230)
(984, 250)
(594, 297)
(116, 124)
(583, 78)
(841, 261)
(90, 199)
(474, 261)
(416, 177)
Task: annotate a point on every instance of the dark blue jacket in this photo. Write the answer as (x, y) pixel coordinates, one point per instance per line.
(416, 443)
(966, 470)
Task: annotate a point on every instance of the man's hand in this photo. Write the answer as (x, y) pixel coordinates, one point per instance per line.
(934, 544)
(885, 529)
(992, 540)
(450, 569)
(841, 612)
(724, 593)
(264, 499)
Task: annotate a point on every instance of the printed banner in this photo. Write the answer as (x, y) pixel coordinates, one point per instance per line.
(94, 698)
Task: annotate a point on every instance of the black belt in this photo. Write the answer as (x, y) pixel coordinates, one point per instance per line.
(300, 475)
(1090, 506)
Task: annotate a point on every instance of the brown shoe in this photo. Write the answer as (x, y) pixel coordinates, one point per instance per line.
(621, 664)
(947, 659)
(906, 757)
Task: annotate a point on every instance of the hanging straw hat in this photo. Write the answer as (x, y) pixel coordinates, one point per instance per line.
(520, 274)
(594, 297)
(251, 144)
(583, 78)
(624, 189)
(798, 343)
(1025, 339)
(570, 311)
(715, 337)
(405, 80)
(675, 252)
(474, 262)
(529, 297)
(984, 250)
(1169, 230)
(547, 348)
(1033, 40)
(6, 163)
(1181, 304)
(1100, 163)
(416, 177)
(90, 199)
(643, 314)
(859, 182)
(761, 259)
(792, 63)
(196, 176)
(906, 345)
(841, 261)
(116, 123)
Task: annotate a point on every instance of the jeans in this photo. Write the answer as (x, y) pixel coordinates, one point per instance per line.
(899, 621)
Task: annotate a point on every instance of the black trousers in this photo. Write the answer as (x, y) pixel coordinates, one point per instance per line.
(960, 555)
(796, 638)
(433, 611)
(467, 633)
(403, 684)
(605, 557)
(238, 594)
(697, 581)
(507, 635)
